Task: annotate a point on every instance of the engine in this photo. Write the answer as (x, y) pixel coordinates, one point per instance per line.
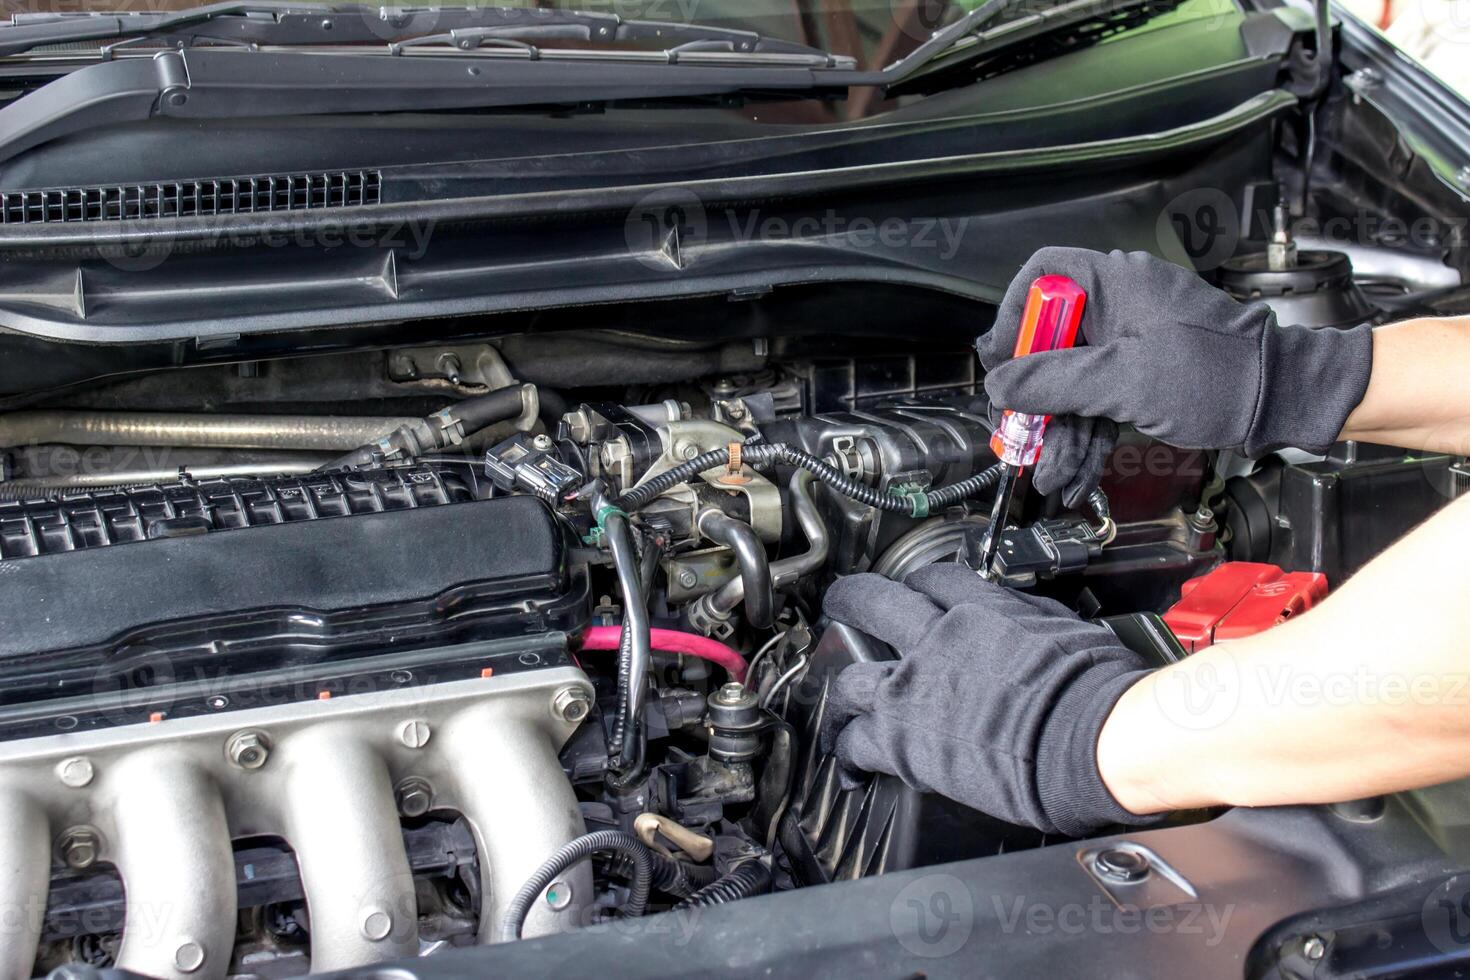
(267, 716)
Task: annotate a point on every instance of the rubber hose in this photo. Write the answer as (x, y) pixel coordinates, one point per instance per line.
(635, 651)
(750, 555)
(569, 854)
(748, 879)
(500, 405)
(677, 878)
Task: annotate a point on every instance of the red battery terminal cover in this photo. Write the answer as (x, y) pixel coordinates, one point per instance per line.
(1238, 599)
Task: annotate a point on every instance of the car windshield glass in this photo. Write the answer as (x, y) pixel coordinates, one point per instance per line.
(874, 32)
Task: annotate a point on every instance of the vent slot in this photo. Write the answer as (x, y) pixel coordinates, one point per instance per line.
(192, 198)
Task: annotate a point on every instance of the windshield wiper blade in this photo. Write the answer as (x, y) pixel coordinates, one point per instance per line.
(34, 30)
(224, 83)
(284, 23)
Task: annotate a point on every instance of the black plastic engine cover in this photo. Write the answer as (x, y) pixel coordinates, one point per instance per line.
(833, 834)
(281, 596)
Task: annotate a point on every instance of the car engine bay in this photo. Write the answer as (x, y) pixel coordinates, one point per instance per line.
(333, 685)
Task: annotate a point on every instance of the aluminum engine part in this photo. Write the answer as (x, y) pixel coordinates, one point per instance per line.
(163, 801)
(683, 441)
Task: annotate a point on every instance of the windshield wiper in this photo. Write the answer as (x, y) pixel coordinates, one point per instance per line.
(263, 22)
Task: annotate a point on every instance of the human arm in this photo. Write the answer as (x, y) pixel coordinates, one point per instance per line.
(1417, 396)
(1367, 693)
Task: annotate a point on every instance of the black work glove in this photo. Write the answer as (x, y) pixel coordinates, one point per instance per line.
(1175, 357)
(997, 701)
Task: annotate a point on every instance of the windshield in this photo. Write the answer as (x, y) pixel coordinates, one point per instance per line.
(874, 32)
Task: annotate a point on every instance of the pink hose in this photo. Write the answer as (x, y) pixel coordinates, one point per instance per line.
(671, 641)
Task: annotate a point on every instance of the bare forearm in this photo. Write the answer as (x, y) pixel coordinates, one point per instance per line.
(1417, 396)
(1366, 694)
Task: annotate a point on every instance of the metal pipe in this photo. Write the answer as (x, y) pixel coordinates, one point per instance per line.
(172, 847)
(325, 433)
(25, 878)
(786, 570)
(499, 761)
(57, 466)
(342, 822)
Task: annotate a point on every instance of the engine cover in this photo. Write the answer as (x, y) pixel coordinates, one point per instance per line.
(84, 626)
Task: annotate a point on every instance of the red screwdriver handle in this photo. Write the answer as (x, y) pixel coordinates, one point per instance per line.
(1049, 322)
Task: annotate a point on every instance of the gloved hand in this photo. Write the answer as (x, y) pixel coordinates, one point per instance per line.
(996, 702)
(1176, 358)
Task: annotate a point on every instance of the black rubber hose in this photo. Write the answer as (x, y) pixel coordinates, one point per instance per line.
(750, 555)
(635, 645)
(500, 405)
(675, 877)
(551, 407)
(566, 856)
(748, 879)
(428, 434)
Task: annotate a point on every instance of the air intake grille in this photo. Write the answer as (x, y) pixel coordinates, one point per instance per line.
(192, 198)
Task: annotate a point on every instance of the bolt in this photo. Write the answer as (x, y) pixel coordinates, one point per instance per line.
(217, 701)
(731, 693)
(689, 450)
(414, 733)
(688, 578)
(541, 442)
(415, 797)
(75, 772)
(450, 366)
(248, 749)
(1313, 948)
(558, 895)
(1462, 177)
(376, 924)
(79, 847)
(189, 957)
(571, 704)
(1117, 864)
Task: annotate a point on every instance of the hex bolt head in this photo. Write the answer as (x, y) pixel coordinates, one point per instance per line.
(248, 749)
(688, 578)
(1313, 948)
(79, 847)
(75, 772)
(189, 956)
(376, 923)
(414, 733)
(415, 797)
(571, 704)
(732, 692)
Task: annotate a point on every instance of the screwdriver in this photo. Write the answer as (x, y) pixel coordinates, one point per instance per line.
(1049, 322)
